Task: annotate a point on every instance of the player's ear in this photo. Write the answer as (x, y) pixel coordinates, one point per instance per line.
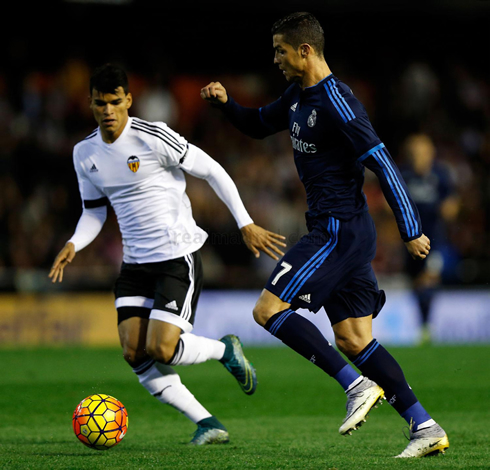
(129, 100)
(305, 50)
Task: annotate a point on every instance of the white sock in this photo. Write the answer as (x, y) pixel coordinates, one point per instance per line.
(194, 349)
(164, 384)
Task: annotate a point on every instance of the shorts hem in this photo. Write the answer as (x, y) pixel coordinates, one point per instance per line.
(134, 301)
(171, 318)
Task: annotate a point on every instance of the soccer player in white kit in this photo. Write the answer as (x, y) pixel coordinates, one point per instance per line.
(138, 167)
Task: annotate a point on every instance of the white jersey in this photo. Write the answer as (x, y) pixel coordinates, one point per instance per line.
(141, 175)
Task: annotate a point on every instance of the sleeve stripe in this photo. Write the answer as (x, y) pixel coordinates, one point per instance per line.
(334, 103)
(185, 155)
(338, 101)
(177, 148)
(93, 203)
(370, 152)
(159, 130)
(341, 100)
(399, 192)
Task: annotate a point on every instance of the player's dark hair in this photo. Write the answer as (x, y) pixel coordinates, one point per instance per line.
(108, 78)
(299, 28)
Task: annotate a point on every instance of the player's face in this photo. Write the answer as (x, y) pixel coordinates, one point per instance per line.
(288, 59)
(111, 112)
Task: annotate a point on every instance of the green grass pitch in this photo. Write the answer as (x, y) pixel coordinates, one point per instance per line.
(290, 423)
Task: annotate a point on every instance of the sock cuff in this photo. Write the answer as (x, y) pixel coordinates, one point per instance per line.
(418, 415)
(142, 368)
(353, 384)
(275, 322)
(179, 351)
(364, 355)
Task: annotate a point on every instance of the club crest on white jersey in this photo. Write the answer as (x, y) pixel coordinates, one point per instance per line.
(133, 163)
(140, 175)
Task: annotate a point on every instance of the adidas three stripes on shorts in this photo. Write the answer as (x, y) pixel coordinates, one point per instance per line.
(166, 291)
(330, 267)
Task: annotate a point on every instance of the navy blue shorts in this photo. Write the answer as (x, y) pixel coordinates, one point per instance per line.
(330, 267)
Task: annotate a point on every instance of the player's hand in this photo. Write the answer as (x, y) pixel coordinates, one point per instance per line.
(215, 93)
(256, 238)
(418, 248)
(64, 257)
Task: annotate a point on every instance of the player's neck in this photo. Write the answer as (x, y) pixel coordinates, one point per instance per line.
(110, 137)
(315, 73)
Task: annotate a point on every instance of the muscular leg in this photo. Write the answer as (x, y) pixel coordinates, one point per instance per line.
(353, 335)
(132, 336)
(306, 339)
(354, 338)
(303, 337)
(162, 339)
(139, 338)
(167, 344)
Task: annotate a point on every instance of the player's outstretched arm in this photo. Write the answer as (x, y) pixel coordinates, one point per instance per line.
(88, 227)
(215, 93)
(199, 164)
(257, 238)
(418, 248)
(65, 256)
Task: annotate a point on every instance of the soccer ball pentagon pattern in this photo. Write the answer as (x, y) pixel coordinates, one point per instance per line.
(100, 421)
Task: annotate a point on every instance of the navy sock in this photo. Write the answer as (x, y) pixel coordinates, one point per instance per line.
(379, 365)
(416, 414)
(306, 339)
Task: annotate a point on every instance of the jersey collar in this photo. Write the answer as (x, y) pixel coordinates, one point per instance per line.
(120, 138)
(320, 82)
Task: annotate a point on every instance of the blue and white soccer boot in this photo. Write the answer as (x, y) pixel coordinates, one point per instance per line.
(210, 431)
(424, 442)
(238, 365)
(361, 399)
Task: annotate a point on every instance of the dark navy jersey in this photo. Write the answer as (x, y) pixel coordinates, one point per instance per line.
(333, 140)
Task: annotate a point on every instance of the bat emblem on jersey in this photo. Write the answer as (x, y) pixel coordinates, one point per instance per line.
(312, 119)
(133, 163)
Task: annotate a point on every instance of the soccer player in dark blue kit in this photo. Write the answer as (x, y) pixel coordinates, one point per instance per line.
(333, 140)
(430, 185)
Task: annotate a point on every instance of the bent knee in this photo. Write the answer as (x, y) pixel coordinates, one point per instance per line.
(134, 357)
(160, 352)
(351, 347)
(267, 306)
(261, 315)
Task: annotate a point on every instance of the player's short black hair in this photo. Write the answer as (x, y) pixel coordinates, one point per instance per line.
(108, 78)
(301, 27)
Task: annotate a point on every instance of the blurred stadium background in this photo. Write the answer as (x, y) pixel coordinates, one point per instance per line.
(417, 67)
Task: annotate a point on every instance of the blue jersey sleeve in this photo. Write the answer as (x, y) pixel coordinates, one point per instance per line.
(395, 191)
(350, 117)
(256, 122)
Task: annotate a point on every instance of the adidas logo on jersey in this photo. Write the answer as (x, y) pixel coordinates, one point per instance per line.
(305, 298)
(93, 169)
(294, 106)
(172, 305)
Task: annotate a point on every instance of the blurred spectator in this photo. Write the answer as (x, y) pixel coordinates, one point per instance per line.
(432, 190)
